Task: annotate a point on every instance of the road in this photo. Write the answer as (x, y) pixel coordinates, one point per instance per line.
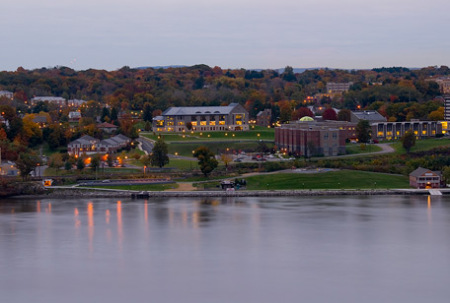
(146, 145)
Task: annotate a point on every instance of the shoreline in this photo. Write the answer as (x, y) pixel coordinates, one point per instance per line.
(110, 193)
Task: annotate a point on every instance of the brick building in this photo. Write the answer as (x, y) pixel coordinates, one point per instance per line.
(311, 138)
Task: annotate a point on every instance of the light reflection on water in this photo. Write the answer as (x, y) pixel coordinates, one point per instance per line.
(289, 249)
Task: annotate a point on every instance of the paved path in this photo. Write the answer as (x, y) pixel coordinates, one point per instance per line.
(145, 144)
(183, 186)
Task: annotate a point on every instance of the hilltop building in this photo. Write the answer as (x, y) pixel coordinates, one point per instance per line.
(338, 88)
(76, 102)
(233, 117)
(50, 99)
(6, 94)
(74, 116)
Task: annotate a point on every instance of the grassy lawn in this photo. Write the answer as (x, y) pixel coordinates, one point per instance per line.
(352, 148)
(258, 133)
(140, 187)
(345, 179)
(185, 149)
(422, 145)
(182, 164)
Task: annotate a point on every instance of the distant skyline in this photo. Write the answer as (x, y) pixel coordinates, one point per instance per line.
(346, 34)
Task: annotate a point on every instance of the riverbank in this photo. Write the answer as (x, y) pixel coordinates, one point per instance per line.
(104, 193)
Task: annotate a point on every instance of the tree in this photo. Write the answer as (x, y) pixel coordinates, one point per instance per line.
(288, 74)
(344, 115)
(437, 114)
(95, 162)
(67, 165)
(55, 161)
(446, 174)
(206, 160)
(147, 126)
(159, 157)
(105, 114)
(146, 161)
(114, 114)
(408, 140)
(109, 161)
(302, 112)
(329, 114)
(189, 125)
(363, 131)
(80, 164)
(26, 163)
(226, 159)
(147, 114)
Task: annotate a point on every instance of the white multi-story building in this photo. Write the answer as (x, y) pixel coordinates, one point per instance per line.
(50, 99)
(233, 117)
(6, 94)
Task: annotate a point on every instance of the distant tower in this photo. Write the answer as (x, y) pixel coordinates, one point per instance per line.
(447, 107)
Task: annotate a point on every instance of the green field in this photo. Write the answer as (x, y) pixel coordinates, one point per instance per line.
(140, 187)
(255, 134)
(185, 149)
(352, 148)
(423, 145)
(182, 164)
(345, 179)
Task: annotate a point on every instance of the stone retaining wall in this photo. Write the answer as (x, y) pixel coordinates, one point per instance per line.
(90, 193)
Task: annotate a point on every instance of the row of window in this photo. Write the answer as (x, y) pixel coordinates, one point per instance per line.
(398, 133)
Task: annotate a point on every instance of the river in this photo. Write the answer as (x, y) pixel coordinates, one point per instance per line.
(230, 250)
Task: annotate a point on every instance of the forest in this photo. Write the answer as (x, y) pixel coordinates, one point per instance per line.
(130, 89)
(127, 95)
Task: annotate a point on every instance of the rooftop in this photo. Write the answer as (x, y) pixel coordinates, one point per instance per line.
(199, 110)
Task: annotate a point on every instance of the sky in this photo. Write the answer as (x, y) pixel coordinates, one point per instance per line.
(110, 34)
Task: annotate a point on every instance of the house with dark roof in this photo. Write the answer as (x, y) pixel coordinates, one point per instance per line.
(425, 178)
(264, 117)
(84, 145)
(233, 117)
(370, 115)
(41, 120)
(74, 116)
(8, 168)
(89, 145)
(107, 127)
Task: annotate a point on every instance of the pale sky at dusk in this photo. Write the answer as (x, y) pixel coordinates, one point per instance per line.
(109, 34)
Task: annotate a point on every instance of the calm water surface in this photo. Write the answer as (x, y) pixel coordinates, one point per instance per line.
(294, 249)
